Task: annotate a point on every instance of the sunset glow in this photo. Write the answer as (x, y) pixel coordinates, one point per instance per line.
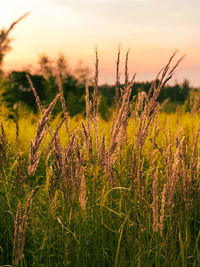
(152, 29)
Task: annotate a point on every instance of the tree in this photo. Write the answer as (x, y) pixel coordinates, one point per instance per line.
(5, 40)
(18, 89)
(5, 46)
(62, 66)
(185, 89)
(82, 73)
(45, 66)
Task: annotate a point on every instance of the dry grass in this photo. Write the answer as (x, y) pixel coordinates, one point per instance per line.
(20, 230)
(34, 155)
(110, 196)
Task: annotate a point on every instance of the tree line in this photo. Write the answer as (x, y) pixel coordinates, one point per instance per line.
(15, 88)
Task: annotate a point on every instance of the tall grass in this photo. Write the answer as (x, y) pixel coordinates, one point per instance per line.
(95, 193)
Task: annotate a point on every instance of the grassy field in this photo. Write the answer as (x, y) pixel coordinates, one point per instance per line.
(85, 192)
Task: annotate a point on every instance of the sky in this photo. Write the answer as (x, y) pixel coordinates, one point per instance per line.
(151, 29)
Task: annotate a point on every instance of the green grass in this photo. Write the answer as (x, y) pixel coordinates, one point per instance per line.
(115, 229)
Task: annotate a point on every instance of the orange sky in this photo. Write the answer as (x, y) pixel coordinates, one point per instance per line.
(152, 29)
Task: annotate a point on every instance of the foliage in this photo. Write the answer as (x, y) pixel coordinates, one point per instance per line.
(5, 40)
(115, 228)
(122, 192)
(18, 90)
(5, 47)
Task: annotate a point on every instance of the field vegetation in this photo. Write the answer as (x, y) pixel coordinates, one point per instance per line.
(86, 192)
(82, 191)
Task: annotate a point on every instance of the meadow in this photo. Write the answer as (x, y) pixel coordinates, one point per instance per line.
(82, 191)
